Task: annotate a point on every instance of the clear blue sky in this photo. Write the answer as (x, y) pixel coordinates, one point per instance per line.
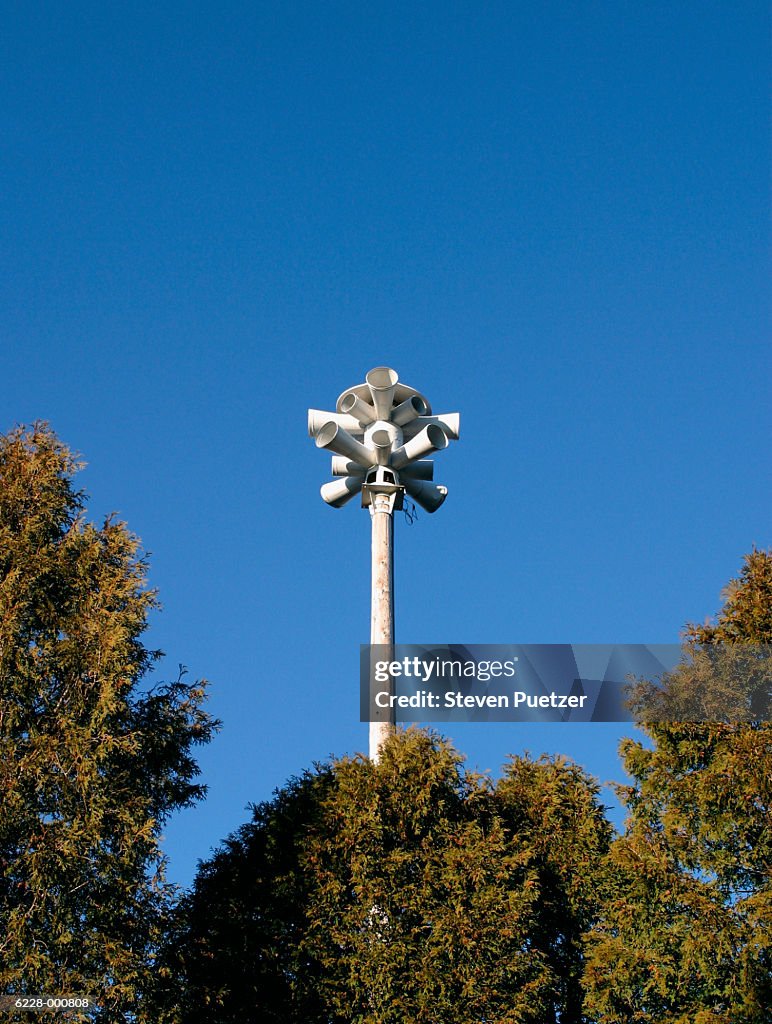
(552, 217)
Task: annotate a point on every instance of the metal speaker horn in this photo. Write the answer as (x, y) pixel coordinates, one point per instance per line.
(345, 467)
(335, 439)
(318, 417)
(449, 421)
(409, 410)
(431, 439)
(428, 496)
(382, 382)
(381, 442)
(351, 405)
(338, 492)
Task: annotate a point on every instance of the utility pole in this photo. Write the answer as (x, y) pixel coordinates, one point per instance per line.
(381, 607)
(380, 433)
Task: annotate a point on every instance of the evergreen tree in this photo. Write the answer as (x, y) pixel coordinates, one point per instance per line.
(237, 956)
(551, 807)
(402, 890)
(424, 907)
(686, 932)
(91, 764)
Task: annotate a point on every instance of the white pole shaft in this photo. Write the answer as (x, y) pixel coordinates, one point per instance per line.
(382, 612)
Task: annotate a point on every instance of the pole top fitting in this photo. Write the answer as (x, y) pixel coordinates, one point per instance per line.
(381, 483)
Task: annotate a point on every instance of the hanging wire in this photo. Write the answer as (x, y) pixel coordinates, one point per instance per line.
(410, 510)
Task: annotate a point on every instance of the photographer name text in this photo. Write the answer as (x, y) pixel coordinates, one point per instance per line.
(457, 699)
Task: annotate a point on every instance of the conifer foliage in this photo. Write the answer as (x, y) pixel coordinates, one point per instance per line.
(685, 936)
(403, 890)
(91, 762)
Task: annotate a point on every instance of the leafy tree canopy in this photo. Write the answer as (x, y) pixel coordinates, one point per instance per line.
(686, 932)
(403, 890)
(91, 762)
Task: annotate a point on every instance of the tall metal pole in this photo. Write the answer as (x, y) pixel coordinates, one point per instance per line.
(381, 610)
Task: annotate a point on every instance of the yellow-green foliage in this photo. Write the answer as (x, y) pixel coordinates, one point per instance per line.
(91, 765)
(407, 890)
(686, 930)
